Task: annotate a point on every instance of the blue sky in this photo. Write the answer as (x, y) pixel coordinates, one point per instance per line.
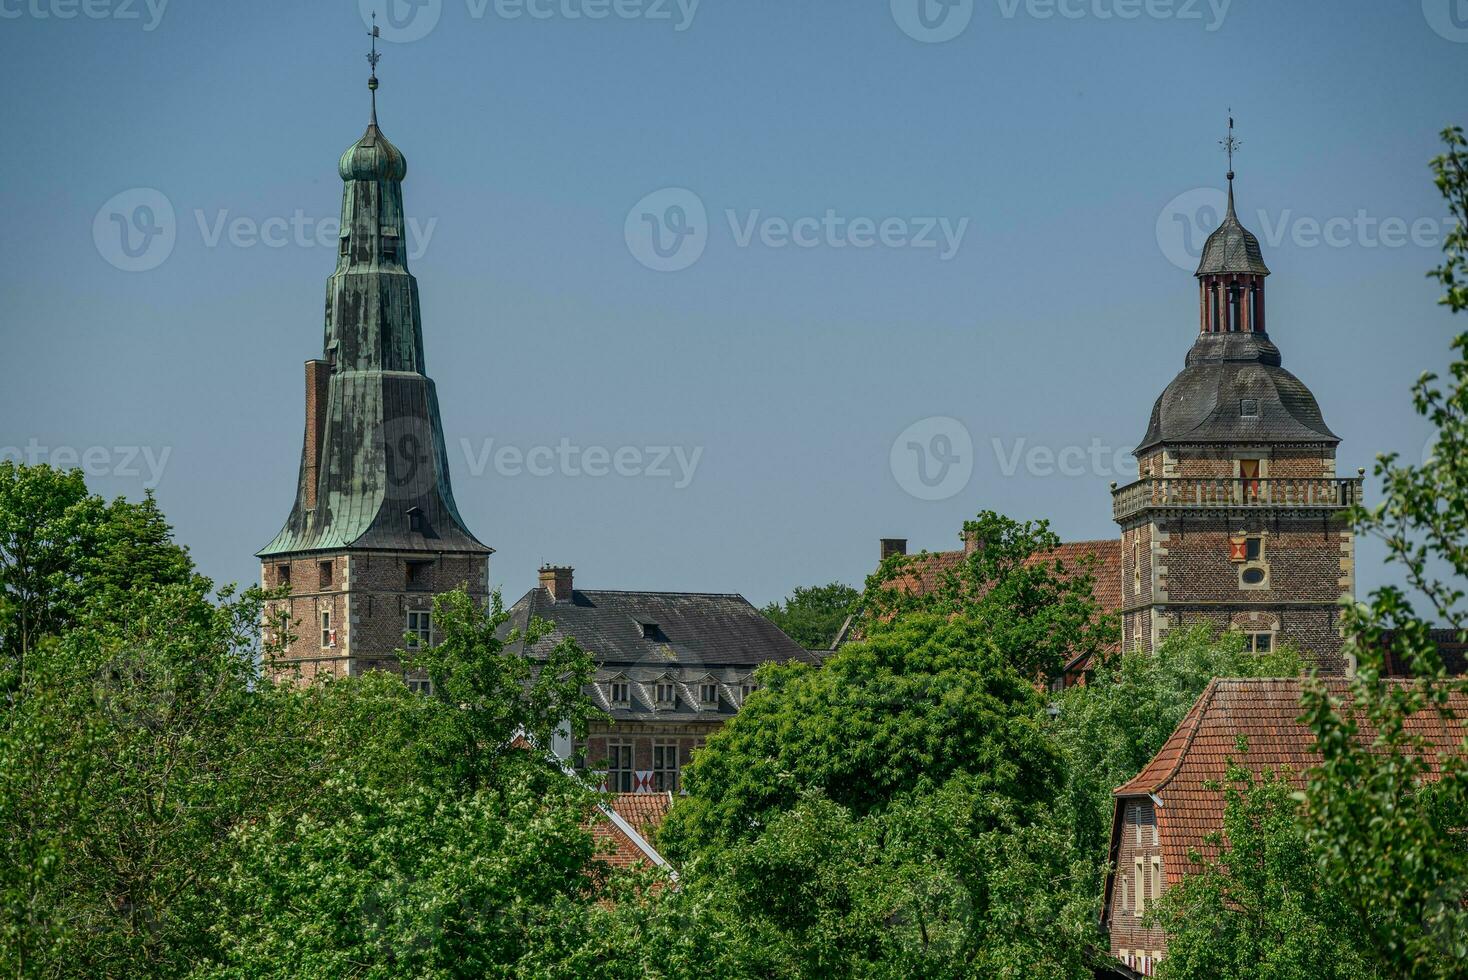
(1066, 148)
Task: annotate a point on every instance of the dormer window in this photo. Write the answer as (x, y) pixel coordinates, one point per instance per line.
(619, 694)
(343, 245)
(745, 690)
(708, 696)
(665, 694)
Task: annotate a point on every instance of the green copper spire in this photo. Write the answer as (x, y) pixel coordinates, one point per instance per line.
(374, 471)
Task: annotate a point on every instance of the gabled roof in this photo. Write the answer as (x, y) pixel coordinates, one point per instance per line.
(1262, 714)
(630, 821)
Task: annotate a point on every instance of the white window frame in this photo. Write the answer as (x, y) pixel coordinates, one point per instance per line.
(709, 702)
(419, 623)
(665, 774)
(625, 701)
(618, 751)
(419, 685)
(327, 633)
(662, 687)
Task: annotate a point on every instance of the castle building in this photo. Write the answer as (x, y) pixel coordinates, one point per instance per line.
(374, 532)
(1172, 810)
(671, 669)
(1237, 518)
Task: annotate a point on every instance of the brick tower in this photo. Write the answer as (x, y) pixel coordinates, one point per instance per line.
(374, 531)
(1237, 517)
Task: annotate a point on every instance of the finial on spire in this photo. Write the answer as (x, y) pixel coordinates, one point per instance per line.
(1230, 145)
(372, 60)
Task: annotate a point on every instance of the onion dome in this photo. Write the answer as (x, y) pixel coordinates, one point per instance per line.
(1231, 247)
(372, 158)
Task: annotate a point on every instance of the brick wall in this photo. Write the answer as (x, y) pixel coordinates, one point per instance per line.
(687, 735)
(368, 596)
(1139, 841)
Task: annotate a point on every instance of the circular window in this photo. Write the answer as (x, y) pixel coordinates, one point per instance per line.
(1253, 576)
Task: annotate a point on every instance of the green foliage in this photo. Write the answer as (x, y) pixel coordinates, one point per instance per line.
(813, 615)
(373, 883)
(1389, 838)
(953, 882)
(63, 551)
(494, 693)
(1113, 725)
(1038, 610)
(920, 699)
(165, 809)
(1263, 908)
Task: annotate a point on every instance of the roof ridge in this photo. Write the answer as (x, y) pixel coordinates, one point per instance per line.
(1199, 710)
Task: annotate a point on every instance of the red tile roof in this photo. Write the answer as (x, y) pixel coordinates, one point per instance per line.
(644, 812)
(1265, 712)
(926, 571)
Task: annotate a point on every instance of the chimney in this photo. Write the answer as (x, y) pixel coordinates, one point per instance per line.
(893, 546)
(972, 542)
(318, 382)
(556, 579)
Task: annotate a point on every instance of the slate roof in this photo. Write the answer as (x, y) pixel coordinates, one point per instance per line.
(695, 638)
(644, 813)
(1266, 712)
(1231, 247)
(1205, 403)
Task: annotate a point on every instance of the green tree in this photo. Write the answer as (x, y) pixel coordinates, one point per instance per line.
(1112, 726)
(812, 615)
(1388, 834)
(63, 550)
(1264, 907)
(1039, 611)
(921, 698)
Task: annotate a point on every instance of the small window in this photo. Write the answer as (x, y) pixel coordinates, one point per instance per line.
(665, 767)
(745, 690)
(343, 245)
(665, 693)
(619, 767)
(282, 575)
(1123, 900)
(420, 628)
(324, 568)
(1156, 879)
(1252, 576)
(390, 247)
(651, 631)
(1259, 642)
(619, 693)
(708, 696)
(1249, 408)
(1139, 882)
(1253, 548)
(420, 685)
(328, 635)
(418, 574)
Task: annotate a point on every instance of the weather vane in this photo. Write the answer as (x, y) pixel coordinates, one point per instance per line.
(1230, 144)
(372, 60)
